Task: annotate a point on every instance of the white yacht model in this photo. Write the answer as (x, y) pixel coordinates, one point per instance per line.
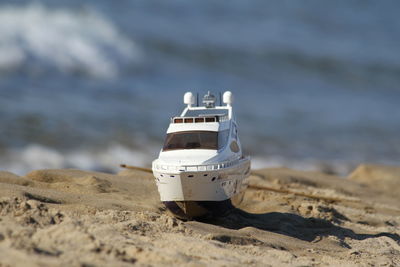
(201, 165)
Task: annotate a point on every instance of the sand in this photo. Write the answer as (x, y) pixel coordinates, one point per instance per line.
(285, 218)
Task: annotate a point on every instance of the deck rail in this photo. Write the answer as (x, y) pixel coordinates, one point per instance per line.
(199, 167)
(202, 119)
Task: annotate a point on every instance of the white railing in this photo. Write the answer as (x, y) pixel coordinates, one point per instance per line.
(202, 119)
(200, 167)
(224, 118)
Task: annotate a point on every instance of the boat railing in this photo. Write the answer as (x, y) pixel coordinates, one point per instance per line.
(198, 167)
(205, 119)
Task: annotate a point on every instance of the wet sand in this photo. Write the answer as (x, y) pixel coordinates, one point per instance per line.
(285, 218)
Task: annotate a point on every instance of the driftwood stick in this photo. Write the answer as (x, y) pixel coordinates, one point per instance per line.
(285, 191)
(136, 168)
(258, 187)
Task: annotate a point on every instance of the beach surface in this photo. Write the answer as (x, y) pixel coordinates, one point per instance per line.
(286, 217)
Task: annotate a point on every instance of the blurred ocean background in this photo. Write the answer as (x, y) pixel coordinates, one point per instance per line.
(92, 84)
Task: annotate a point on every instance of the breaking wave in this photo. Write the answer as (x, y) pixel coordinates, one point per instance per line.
(35, 38)
(35, 156)
(108, 159)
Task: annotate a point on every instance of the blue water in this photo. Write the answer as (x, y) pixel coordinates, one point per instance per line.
(93, 84)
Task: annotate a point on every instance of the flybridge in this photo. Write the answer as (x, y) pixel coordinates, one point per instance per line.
(199, 119)
(207, 113)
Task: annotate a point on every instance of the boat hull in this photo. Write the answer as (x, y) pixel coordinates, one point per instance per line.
(187, 210)
(211, 185)
(192, 194)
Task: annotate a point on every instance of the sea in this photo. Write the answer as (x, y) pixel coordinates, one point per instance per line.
(92, 84)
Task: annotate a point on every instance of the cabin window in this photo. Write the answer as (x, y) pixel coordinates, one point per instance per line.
(223, 138)
(178, 120)
(196, 140)
(234, 131)
(191, 140)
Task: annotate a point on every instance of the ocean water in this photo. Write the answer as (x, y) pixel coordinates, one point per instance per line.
(92, 84)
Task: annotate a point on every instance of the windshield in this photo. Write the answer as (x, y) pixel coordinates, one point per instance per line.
(192, 140)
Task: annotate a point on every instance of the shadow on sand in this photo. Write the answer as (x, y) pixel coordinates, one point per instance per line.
(307, 229)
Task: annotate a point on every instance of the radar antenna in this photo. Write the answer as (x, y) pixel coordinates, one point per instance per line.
(209, 100)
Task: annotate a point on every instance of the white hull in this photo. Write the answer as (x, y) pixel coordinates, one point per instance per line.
(201, 165)
(212, 182)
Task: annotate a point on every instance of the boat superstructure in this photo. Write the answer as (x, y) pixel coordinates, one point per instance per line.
(201, 165)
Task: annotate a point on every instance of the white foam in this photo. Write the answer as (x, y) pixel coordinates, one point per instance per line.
(108, 158)
(67, 40)
(338, 167)
(34, 156)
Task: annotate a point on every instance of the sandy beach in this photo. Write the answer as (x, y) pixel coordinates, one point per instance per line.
(285, 218)
(309, 90)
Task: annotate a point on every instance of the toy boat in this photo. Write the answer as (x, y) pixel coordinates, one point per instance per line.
(201, 165)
